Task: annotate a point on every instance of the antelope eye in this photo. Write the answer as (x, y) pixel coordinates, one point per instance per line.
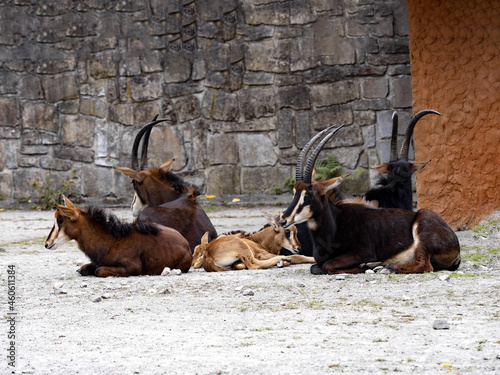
(59, 220)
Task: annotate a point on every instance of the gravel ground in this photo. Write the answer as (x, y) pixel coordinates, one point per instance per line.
(279, 320)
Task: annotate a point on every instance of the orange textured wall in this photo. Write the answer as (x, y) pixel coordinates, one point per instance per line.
(455, 69)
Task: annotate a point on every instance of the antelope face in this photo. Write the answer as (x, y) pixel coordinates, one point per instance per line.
(299, 210)
(291, 243)
(57, 235)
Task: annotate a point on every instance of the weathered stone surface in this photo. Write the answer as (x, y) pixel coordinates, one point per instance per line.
(187, 108)
(146, 87)
(264, 179)
(75, 153)
(303, 129)
(103, 66)
(375, 88)
(334, 93)
(285, 132)
(177, 68)
(222, 149)
(264, 124)
(256, 150)
(93, 107)
(402, 92)
(241, 82)
(61, 87)
(77, 131)
(5, 186)
(223, 180)
(39, 116)
(97, 182)
(338, 115)
(30, 87)
(256, 103)
(224, 107)
(347, 136)
(261, 56)
(36, 137)
(55, 164)
(166, 143)
(9, 112)
(296, 97)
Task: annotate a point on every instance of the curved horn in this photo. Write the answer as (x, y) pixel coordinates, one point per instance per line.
(146, 129)
(300, 160)
(394, 138)
(405, 147)
(314, 155)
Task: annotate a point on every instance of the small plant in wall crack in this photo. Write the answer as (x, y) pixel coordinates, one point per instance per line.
(45, 191)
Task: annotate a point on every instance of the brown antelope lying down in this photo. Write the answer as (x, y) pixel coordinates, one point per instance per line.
(348, 238)
(162, 197)
(116, 248)
(255, 251)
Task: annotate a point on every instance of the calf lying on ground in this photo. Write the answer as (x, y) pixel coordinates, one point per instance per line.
(116, 248)
(255, 251)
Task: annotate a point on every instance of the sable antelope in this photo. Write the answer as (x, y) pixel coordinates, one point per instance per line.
(162, 197)
(348, 238)
(256, 251)
(116, 248)
(396, 190)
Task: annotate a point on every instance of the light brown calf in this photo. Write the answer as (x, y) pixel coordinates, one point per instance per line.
(257, 251)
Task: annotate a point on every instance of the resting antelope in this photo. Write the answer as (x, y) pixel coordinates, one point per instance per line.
(396, 190)
(256, 251)
(162, 197)
(116, 248)
(348, 238)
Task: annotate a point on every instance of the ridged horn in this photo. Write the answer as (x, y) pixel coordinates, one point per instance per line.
(299, 177)
(405, 147)
(315, 153)
(394, 138)
(145, 130)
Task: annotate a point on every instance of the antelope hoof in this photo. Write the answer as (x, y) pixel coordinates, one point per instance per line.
(280, 264)
(388, 269)
(316, 270)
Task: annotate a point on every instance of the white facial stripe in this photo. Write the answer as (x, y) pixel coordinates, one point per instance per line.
(57, 237)
(137, 206)
(292, 219)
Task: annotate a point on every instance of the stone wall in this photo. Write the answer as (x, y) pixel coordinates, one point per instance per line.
(245, 82)
(455, 57)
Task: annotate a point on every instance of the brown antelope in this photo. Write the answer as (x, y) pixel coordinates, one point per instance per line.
(256, 251)
(162, 197)
(348, 238)
(116, 248)
(396, 190)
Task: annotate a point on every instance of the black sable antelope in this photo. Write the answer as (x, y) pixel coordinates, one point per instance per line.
(162, 197)
(395, 189)
(116, 248)
(348, 238)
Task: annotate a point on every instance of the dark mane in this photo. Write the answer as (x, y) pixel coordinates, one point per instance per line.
(116, 227)
(177, 183)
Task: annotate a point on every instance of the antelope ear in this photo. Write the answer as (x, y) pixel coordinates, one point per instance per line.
(67, 202)
(271, 220)
(415, 167)
(325, 186)
(130, 173)
(70, 213)
(167, 166)
(204, 239)
(382, 168)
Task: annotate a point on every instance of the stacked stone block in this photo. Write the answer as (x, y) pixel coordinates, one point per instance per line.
(245, 83)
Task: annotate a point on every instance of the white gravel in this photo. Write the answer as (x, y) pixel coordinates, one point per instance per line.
(280, 320)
